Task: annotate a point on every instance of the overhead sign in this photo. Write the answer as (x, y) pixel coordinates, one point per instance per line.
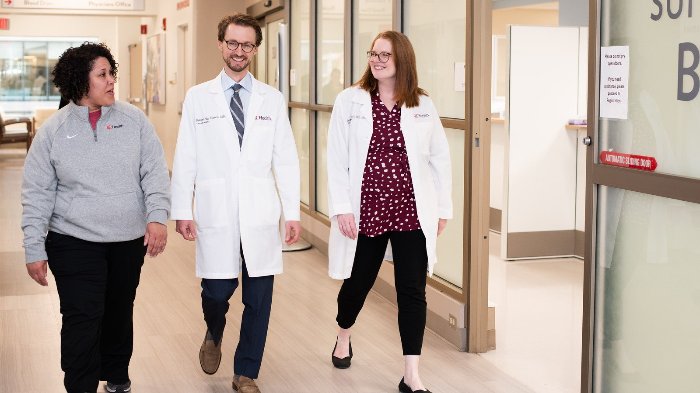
(93, 5)
(631, 161)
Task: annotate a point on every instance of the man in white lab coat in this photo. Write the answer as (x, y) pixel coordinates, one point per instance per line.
(236, 158)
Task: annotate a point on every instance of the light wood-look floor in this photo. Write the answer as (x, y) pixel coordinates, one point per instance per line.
(169, 328)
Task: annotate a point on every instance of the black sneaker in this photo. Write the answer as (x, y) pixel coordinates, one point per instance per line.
(118, 388)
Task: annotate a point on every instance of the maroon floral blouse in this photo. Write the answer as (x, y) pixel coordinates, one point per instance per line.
(388, 202)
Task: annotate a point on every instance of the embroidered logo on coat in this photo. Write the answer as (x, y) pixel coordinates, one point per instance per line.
(265, 118)
(109, 126)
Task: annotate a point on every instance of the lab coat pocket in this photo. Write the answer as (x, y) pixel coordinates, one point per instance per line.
(210, 204)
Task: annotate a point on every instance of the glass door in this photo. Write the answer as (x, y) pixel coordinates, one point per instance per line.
(642, 306)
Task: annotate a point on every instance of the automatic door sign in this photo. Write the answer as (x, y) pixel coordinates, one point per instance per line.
(632, 161)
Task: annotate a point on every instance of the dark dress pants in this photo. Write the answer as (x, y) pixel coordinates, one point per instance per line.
(257, 299)
(410, 270)
(96, 285)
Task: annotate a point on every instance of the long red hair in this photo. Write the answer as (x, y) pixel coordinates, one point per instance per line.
(406, 89)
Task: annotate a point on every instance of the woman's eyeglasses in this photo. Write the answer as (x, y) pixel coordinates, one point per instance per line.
(383, 57)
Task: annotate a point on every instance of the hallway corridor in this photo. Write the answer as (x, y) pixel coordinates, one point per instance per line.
(169, 327)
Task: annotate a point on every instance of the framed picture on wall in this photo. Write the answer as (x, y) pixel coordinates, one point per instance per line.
(155, 69)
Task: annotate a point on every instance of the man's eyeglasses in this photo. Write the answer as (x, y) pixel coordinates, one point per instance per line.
(383, 57)
(233, 45)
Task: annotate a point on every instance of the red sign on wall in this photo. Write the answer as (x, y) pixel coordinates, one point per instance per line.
(4, 23)
(632, 161)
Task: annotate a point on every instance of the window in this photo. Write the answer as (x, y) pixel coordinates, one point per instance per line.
(26, 65)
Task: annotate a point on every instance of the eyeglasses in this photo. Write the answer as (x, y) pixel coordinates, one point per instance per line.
(233, 45)
(383, 57)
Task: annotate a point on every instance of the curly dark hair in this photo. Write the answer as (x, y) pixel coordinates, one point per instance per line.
(71, 74)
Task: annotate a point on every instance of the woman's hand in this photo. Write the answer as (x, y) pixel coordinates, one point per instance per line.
(37, 271)
(346, 224)
(442, 223)
(155, 238)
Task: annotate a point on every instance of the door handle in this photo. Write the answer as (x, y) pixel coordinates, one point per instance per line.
(587, 141)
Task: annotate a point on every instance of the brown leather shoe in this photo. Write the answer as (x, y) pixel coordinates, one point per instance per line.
(243, 384)
(209, 355)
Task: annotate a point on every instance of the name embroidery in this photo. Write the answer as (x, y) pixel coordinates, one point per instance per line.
(265, 118)
(109, 126)
(207, 119)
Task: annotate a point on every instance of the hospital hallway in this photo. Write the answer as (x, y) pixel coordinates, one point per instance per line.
(169, 327)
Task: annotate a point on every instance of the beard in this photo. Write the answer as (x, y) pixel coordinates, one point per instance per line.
(234, 66)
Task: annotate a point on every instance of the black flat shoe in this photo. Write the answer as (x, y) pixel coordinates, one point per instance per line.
(403, 388)
(344, 362)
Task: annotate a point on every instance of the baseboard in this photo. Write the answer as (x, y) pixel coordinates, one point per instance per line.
(542, 244)
(495, 219)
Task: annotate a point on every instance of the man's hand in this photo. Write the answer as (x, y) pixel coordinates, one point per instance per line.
(37, 271)
(292, 230)
(186, 228)
(155, 238)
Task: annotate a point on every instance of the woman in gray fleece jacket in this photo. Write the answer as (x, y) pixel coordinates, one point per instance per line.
(96, 200)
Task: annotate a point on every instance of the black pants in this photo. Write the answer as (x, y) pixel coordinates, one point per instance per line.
(410, 269)
(96, 285)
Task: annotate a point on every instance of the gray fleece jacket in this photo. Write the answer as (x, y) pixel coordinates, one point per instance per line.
(99, 186)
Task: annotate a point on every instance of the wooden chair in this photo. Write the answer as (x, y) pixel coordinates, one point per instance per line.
(16, 136)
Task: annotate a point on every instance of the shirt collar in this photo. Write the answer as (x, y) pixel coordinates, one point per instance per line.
(246, 82)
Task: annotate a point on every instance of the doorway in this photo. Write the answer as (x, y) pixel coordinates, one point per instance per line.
(537, 190)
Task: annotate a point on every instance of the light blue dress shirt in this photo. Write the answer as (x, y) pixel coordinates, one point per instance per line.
(244, 93)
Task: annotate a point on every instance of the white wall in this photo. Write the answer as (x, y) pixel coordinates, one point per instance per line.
(541, 163)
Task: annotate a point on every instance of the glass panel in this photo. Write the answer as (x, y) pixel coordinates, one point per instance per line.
(11, 70)
(647, 302)
(273, 29)
(323, 120)
(439, 39)
(299, 65)
(370, 17)
(300, 127)
(450, 243)
(664, 106)
(35, 54)
(330, 61)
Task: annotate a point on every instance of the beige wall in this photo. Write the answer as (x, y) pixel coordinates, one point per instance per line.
(520, 16)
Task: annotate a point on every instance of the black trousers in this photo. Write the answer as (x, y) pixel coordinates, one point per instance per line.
(410, 269)
(96, 285)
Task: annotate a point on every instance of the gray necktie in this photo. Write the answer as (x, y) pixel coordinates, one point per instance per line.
(236, 107)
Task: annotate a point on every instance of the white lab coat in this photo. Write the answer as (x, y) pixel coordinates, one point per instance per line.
(428, 153)
(237, 191)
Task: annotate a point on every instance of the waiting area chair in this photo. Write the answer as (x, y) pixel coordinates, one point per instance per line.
(13, 137)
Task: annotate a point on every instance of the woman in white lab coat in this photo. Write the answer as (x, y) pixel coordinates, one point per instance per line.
(389, 179)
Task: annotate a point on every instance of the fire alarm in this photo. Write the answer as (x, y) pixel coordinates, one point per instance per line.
(164, 24)
(144, 29)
